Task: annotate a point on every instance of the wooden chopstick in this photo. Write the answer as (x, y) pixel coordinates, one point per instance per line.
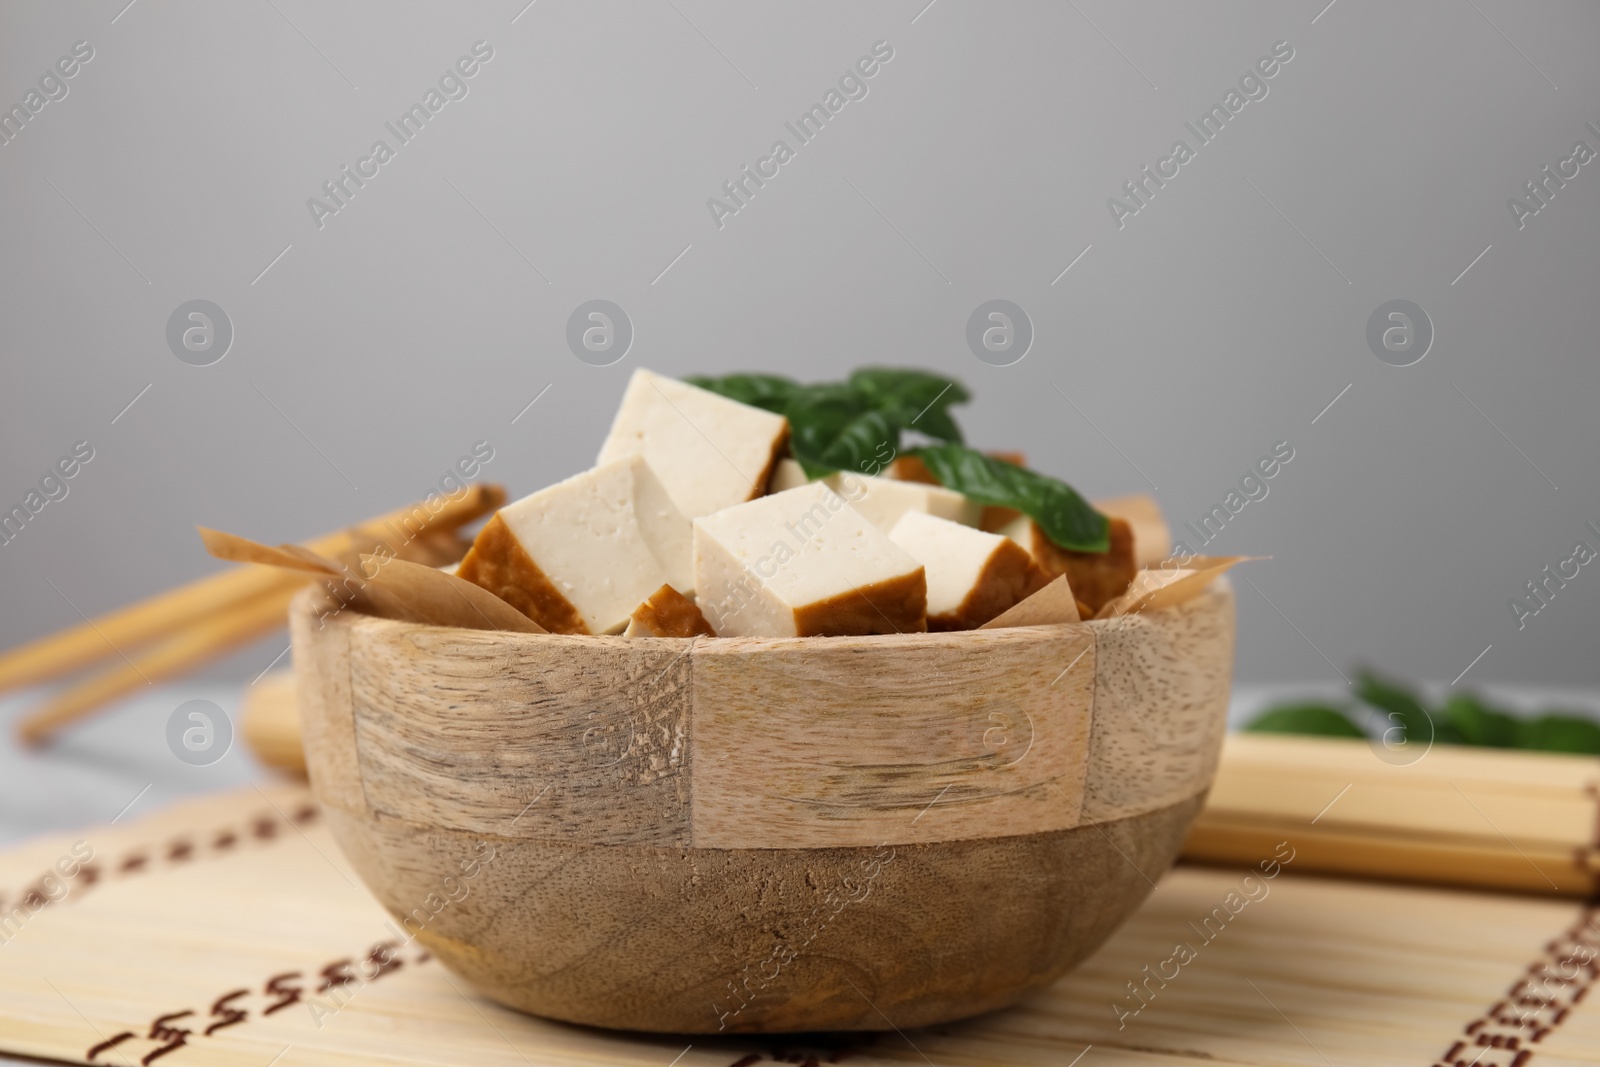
(1476, 862)
(233, 626)
(94, 640)
(164, 614)
(1524, 821)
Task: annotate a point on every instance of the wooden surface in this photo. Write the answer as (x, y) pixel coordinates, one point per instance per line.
(692, 940)
(765, 742)
(1515, 820)
(462, 729)
(211, 903)
(692, 806)
(1180, 661)
(797, 743)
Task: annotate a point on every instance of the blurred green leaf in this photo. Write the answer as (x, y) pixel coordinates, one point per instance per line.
(833, 427)
(1323, 720)
(768, 391)
(915, 399)
(1403, 711)
(1464, 719)
(1559, 733)
(1478, 724)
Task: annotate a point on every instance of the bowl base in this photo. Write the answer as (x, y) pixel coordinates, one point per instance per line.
(697, 941)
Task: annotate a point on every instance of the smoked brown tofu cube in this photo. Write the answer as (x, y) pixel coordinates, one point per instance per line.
(804, 563)
(668, 613)
(1095, 577)
(579, 556)
(972, 576)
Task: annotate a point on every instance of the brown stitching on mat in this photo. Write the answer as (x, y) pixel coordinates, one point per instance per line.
(138, 858)
(277, 992)
(1536, 1004)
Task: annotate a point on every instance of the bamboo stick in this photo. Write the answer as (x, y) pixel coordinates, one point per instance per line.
(1520, 867)
(231, 627)
(1523, 821)
(94, 640)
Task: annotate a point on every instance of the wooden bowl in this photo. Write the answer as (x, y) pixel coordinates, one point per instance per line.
(763, 834)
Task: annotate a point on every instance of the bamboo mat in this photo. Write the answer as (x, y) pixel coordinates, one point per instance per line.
(1528, 821)
(217, 927)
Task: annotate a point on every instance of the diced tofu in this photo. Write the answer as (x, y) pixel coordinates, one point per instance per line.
(884, 500)
(1152, 537)
(972, 576)
(804, 563)
(1096, 577)
(668, 613)
(710, 452)
(579, 556)
(787, 475)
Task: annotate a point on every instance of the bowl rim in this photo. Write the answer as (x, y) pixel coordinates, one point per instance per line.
(361, 670)
(305, 603)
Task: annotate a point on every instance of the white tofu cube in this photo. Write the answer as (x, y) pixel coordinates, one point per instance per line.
(710, 452)
(884, 500)
(804, 563)
(579, 556)
(972, 576)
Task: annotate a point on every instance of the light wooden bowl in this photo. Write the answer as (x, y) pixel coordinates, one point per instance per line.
(754, 834)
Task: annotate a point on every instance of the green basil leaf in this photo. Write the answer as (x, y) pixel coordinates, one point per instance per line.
(1479, 724)
(832, 427)
(916, 399)
(767, 391)
(1404, 711)
(1559, 733)
(1323, 720)
(1064, 516)
(938, 424)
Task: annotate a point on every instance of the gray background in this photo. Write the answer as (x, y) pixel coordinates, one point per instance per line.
(1222, 319)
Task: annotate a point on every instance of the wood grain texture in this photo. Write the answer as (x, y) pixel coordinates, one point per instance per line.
(671, 816)
(1161, 704)
(788, 742)
(321, 643)
(767, 940)
(849, 741)
(464, 729)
